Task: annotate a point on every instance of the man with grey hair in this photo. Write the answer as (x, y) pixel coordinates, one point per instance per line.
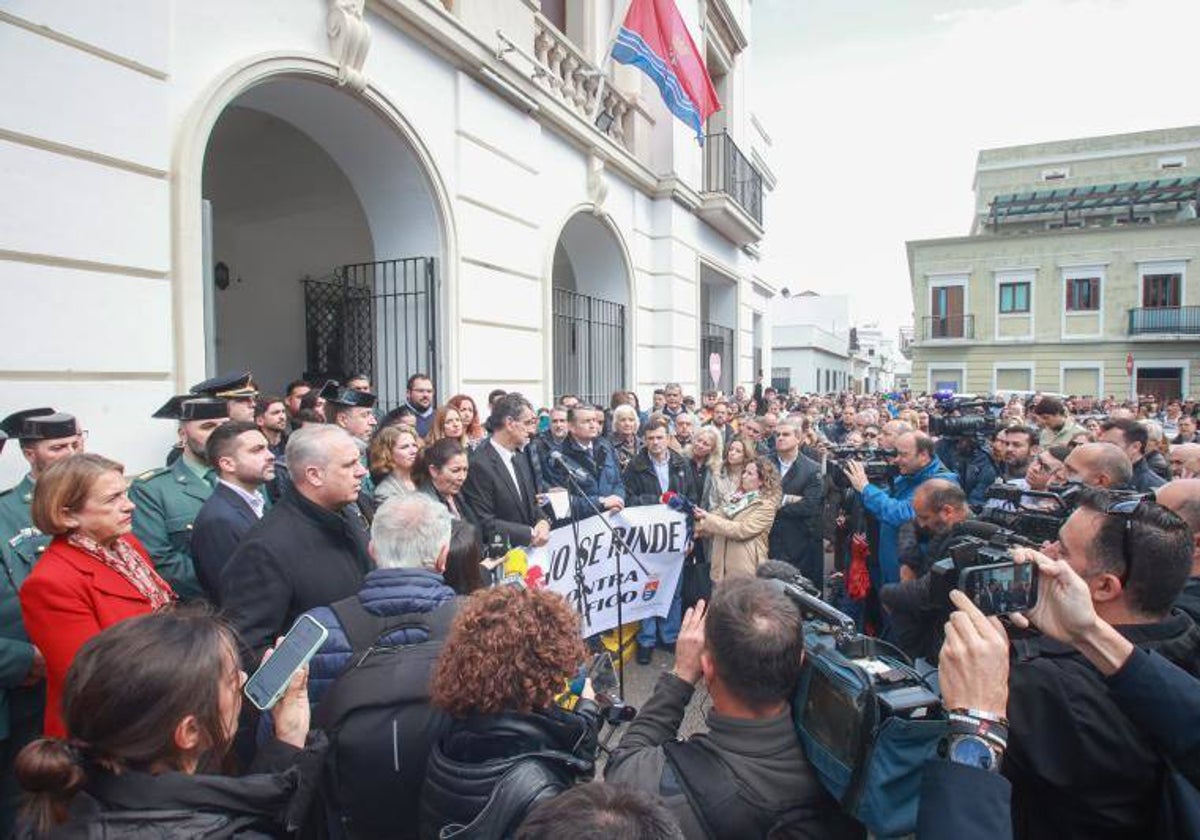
(309, 550)
(376, 708)
(410, 540)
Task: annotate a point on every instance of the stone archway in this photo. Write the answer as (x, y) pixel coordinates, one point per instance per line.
(591, 310)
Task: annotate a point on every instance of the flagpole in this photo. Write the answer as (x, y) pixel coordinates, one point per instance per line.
(613, 32)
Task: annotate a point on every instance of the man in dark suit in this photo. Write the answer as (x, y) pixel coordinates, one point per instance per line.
(500, 488)
(308, 551)
(242, 458)
(796, 535)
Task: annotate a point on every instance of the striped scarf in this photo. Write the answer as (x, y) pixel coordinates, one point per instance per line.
(125, 560)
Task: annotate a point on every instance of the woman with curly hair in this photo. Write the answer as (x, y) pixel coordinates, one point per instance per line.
(391, 458)
(447, 423)
(509, 653)
(740, 528)
(469, 414)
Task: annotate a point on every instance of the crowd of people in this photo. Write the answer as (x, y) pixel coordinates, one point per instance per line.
(133, 610)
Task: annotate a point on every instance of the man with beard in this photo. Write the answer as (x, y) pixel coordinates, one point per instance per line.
(271, 417)
(168, 499)
(1017, 448)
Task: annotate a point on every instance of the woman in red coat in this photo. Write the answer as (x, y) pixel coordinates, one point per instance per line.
(93, 574)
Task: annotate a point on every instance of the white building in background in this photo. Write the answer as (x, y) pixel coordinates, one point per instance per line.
(308, 186)
(810, 343)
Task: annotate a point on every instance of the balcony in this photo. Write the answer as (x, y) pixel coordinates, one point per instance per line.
(732, 194)
(1165, 320)
(565, 73)
(947, 327)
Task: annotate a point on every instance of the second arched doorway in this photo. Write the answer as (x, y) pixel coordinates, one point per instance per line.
(591, 309)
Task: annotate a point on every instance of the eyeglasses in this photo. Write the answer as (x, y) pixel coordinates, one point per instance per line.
(1125, 509)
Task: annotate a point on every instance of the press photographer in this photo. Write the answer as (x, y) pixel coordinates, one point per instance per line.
(964, 435)
(917, 463)
(1079, 767)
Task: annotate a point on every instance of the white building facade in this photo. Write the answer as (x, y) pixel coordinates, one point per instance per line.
(311, 187)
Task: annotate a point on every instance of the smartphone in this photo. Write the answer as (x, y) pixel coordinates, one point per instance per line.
(1001, 587)
(273, 676)
(600, 672)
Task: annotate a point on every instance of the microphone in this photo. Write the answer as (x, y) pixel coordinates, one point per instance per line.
(573, 471)
(680, 503)
(786, 572)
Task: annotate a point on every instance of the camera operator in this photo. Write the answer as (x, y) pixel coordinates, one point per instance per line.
(917, 464)
(959, 798)
(748, 774)
(1132, 438)
(970, 458)
(940, 508)
(1078, 766)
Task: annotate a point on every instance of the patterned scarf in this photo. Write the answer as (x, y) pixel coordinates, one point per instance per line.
(124, 559)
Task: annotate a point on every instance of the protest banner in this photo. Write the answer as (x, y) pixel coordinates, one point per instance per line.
(655, 538)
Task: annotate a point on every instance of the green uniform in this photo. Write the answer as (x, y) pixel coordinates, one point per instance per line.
(168, 500)
(22, 709)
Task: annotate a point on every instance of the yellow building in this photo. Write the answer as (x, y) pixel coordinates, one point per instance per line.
(1078, 259)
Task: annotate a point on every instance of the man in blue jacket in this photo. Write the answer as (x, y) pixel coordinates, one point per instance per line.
(917, 463)
(588, 466)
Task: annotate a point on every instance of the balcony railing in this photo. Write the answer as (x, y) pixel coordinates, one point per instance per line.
(566, 73)
(1166, 320)
(947, 326)
(727, 170)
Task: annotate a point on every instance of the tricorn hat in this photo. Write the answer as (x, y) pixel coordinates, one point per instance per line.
(333, 392)
(191, 407)
(227, 386)
(39, 424)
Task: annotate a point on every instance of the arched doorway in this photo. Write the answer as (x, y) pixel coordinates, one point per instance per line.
(323, 240)
(591, 307)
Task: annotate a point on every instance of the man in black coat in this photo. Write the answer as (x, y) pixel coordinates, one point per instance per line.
(652, 472)
(1079, 766)
(500, 487)
(796, 535)
(308, 551)
(242, 458)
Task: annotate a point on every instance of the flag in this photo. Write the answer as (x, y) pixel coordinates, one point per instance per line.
(654, 38)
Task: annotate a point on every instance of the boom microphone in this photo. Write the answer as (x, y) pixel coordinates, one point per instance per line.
(786, 572)
(987, 530)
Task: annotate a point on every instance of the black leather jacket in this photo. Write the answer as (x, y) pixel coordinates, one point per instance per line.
(472, 758)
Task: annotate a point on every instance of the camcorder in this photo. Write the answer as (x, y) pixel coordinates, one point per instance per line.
(1034, 514)
(976, 418)
(877, 463)
(864, 715)
(986, 545)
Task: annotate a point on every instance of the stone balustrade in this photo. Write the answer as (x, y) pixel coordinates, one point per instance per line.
(567, 74)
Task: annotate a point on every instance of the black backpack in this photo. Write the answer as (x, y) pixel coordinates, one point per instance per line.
(380, 723)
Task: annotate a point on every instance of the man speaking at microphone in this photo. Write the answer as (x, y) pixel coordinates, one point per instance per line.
(653, 472)
(500, 488)
(587, 466)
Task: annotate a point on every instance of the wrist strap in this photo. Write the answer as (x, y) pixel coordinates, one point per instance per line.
(994, 733)
(979, 714)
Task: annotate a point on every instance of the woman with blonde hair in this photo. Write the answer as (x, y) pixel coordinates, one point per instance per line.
(393, 454)
(738, 452)
(447, 423)
(740, 528)
(706, 454)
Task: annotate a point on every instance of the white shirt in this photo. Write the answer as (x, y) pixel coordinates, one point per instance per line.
(255, 500)
(662, 469)
(507, 455)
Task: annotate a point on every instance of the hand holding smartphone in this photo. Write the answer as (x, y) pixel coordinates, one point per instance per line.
(274, 675)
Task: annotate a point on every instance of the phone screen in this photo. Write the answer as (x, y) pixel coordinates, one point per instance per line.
(272, 677)
(1000, 587)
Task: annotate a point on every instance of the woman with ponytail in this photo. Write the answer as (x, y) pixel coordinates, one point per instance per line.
(152, 706)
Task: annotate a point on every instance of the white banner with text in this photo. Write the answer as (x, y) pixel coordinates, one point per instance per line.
(650, 543)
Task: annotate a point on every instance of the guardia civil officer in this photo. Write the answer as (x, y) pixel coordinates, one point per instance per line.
(45, 437)
(236, 388)
(353, 410)
(168, 498)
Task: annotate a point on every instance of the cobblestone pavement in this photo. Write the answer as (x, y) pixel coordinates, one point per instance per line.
(639, 685)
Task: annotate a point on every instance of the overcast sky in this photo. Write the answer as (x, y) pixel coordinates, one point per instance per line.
(877, 109)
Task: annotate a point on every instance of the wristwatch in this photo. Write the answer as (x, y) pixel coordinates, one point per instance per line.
(972, 750)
